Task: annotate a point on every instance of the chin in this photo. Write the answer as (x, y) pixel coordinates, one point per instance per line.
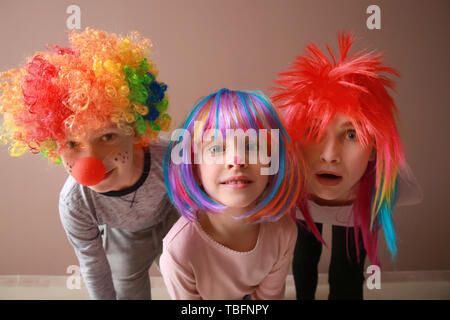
(97, 189)
(326, 195)
(102, 189)
(234, 205)
(240, 205)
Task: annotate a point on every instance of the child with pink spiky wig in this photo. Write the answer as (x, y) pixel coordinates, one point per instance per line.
(341, 118)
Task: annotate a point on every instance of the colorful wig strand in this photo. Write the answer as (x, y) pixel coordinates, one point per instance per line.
(101, 78)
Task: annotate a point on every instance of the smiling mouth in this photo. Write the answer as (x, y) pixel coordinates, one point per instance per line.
(237, 182)
(108, 174)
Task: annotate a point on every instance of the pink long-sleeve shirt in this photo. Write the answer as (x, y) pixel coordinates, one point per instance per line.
(194, 266)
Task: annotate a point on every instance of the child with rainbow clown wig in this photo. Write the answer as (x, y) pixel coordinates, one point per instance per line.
(234, 239)
(97, 108)
(341, 118)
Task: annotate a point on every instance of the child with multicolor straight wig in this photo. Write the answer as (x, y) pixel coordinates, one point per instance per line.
(341, 118)
(232, 173)
(97, 107)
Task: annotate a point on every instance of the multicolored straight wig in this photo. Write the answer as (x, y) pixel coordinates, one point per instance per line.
(229, 109)
(313, 91)
(100, 79)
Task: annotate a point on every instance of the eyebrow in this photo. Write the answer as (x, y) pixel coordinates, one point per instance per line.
(347, 124)
(211, 142)
(95, 134)
(104, 130)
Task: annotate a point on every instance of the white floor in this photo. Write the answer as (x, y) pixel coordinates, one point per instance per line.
(429, 285)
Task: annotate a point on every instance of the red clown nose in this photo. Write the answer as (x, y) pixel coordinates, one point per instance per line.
(88, 171)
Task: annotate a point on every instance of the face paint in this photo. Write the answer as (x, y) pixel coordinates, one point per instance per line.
(121, 161)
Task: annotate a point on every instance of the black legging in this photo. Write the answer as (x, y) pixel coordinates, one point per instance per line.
(345, 274)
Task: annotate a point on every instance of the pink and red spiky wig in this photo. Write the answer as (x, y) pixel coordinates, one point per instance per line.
(102, 78)
(313, 91)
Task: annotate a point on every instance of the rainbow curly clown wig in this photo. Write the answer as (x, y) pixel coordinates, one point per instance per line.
(100, 79)
(229, 109)
(313, 91)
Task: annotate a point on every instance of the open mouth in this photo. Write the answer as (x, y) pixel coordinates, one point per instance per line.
(328, 179)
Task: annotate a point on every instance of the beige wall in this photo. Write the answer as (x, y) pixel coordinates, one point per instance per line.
(204, 45)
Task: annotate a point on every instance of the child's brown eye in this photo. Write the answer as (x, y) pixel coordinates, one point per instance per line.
(351, 134)
(108, 137)
(71, 144)
(215, 149)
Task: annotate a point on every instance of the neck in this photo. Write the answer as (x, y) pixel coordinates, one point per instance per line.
(236, 234)
(138, 168)
(223, 223)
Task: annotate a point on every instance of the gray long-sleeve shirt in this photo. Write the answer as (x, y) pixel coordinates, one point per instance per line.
(82, 211)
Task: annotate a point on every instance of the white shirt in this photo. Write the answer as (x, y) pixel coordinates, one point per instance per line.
(409, 193)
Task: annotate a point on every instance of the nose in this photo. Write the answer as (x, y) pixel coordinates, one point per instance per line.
(88, 171)
(237, 162)
(91, 151)
(330, 151)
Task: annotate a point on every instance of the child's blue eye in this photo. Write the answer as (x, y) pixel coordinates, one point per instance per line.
(351, 134)
(216, 149)
(251, 147)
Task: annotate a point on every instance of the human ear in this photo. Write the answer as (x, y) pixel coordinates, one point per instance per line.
(136, 136)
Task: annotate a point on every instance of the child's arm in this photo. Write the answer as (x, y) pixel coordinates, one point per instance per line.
(409, 190)
(179, 280)
(274, 285)
(86, 240)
